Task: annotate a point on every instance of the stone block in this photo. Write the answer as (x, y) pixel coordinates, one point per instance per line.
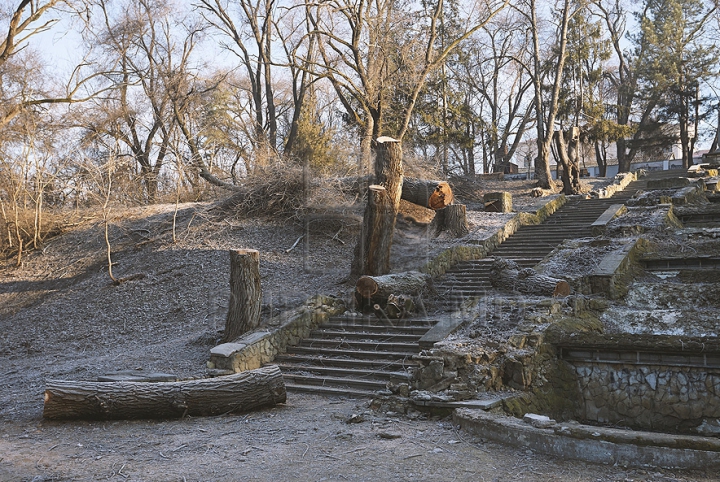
(670, 183)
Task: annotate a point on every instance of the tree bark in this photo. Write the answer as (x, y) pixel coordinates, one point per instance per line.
(245, 293)
(428, 194)
(566, 143)
(506, 274)
(372, 253)
(132, 400)
(452, 219)
(372, 290)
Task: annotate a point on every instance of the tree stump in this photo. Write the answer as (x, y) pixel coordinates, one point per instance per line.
(452, 219)
(132, 400)
(245, 293)
(498, 202)
(372, 290)
(506, 274)
(428, 194)
(372, 253)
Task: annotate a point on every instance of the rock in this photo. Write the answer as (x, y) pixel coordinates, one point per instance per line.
(709, 428)
(539, 421)
(355, 418)
(389, 435)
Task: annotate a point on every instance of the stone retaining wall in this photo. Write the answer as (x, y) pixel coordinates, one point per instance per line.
(650, 397)
(255, 349)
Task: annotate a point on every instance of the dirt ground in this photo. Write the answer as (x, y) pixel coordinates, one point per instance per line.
(62, 318)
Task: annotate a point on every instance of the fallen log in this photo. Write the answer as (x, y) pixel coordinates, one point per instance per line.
(239, 392)
(507, 275)
(372, 290)
(428, 194)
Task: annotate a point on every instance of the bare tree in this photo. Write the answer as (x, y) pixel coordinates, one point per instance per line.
(374, 52)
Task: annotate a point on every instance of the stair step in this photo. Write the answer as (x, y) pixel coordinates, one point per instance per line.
(345, 362)
(373, 320)
(363, 354)
(360, 335)
(354, 373)
(335, 382)
(331, 391)
(361, 345)
(390, 327)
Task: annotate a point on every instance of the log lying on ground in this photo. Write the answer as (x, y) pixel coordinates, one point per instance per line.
(428, 194)
(507, 275)
(133, 400)
(372, 290)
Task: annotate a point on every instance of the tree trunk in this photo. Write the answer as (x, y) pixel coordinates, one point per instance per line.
(506, 274)
(372, 253)
(372, 290)
(452, 219)
(566, 144)
(131, 400)
(245, 293)
(428, 194)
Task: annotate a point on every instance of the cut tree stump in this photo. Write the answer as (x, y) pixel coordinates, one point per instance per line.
(498, 202)
(245, 293)
(239, 392)
(375, 290)
(506, 274)
(452, 219)
(428, 194)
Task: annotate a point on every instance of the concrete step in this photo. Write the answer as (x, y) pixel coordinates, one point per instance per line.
(339, 382)
(354, 373)
(361, 335)
(352, 353)
(344, 392)
(388, 327)
(346, 362)
(379, 346)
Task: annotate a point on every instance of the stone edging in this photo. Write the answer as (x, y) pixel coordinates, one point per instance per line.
(480, 248)
(595, 444)
(255, 349)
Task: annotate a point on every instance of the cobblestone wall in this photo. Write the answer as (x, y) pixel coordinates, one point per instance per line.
(650, 397)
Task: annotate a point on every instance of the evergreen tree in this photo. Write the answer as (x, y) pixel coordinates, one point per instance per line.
(678, 60)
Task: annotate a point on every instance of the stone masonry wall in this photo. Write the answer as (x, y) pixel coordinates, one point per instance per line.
(649, 397)
(255, 349)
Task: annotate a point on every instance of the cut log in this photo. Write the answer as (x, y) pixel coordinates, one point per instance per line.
(507, 275)
(245, 293)
(452, 219)
(428, 194)
(133, 400)
(372, 290)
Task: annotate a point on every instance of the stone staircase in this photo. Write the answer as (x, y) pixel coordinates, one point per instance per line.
(527, 247)
(356, 356)
(353, 355)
